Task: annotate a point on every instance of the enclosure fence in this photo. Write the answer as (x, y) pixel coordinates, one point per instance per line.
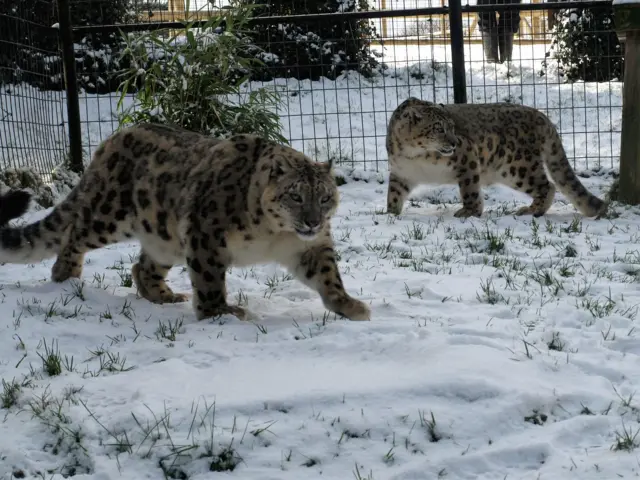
(341, 75)
(32, 123)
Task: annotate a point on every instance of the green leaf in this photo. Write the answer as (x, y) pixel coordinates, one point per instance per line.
(213, 100)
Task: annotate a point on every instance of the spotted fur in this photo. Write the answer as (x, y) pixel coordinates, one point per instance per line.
(472, 145)
(189, 198)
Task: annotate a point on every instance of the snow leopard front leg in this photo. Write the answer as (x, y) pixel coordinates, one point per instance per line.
(207, 260)
(397, 193)
(150, 279)
(317, 268)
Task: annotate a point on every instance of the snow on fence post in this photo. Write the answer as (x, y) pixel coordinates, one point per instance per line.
(71, 84)
(627, 24)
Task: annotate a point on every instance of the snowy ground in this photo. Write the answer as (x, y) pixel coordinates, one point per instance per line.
(499, 347)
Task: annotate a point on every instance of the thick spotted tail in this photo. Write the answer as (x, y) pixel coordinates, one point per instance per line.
(13, 204)
(33, 242)
(565, 179)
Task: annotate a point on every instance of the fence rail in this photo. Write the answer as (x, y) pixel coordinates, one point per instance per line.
(330, 111)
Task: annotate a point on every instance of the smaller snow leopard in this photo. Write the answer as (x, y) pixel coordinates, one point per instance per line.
(186, 197)
(472, 145)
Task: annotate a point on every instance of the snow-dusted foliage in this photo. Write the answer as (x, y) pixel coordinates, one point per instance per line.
(44, 194)
(586, 46)
(195, 79)
(314, 48)
(30, 53)
(300, 50)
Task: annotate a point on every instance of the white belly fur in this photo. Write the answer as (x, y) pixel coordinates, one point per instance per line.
(279, 249)
(423, 171)
(167, 253)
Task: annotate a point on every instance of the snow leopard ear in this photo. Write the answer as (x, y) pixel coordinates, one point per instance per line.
(280, 164)
(414, 115)
(329, 163)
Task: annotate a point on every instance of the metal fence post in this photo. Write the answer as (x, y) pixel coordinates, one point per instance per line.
(457, 52)
(627, 24)
(73, 102)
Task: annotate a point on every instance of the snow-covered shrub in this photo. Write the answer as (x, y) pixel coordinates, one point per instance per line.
(30, 53)
(309, 50)
(61, 181)
(314, 48)
(193, 78)
(99, 59)
(586, 46)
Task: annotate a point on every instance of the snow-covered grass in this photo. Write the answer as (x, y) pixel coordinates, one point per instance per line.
(500, 347)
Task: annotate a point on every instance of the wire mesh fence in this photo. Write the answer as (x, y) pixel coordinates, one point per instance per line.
(340, 70)
(32, 122)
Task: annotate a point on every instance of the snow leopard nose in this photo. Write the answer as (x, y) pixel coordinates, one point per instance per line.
(452, 139)
(312, 225)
